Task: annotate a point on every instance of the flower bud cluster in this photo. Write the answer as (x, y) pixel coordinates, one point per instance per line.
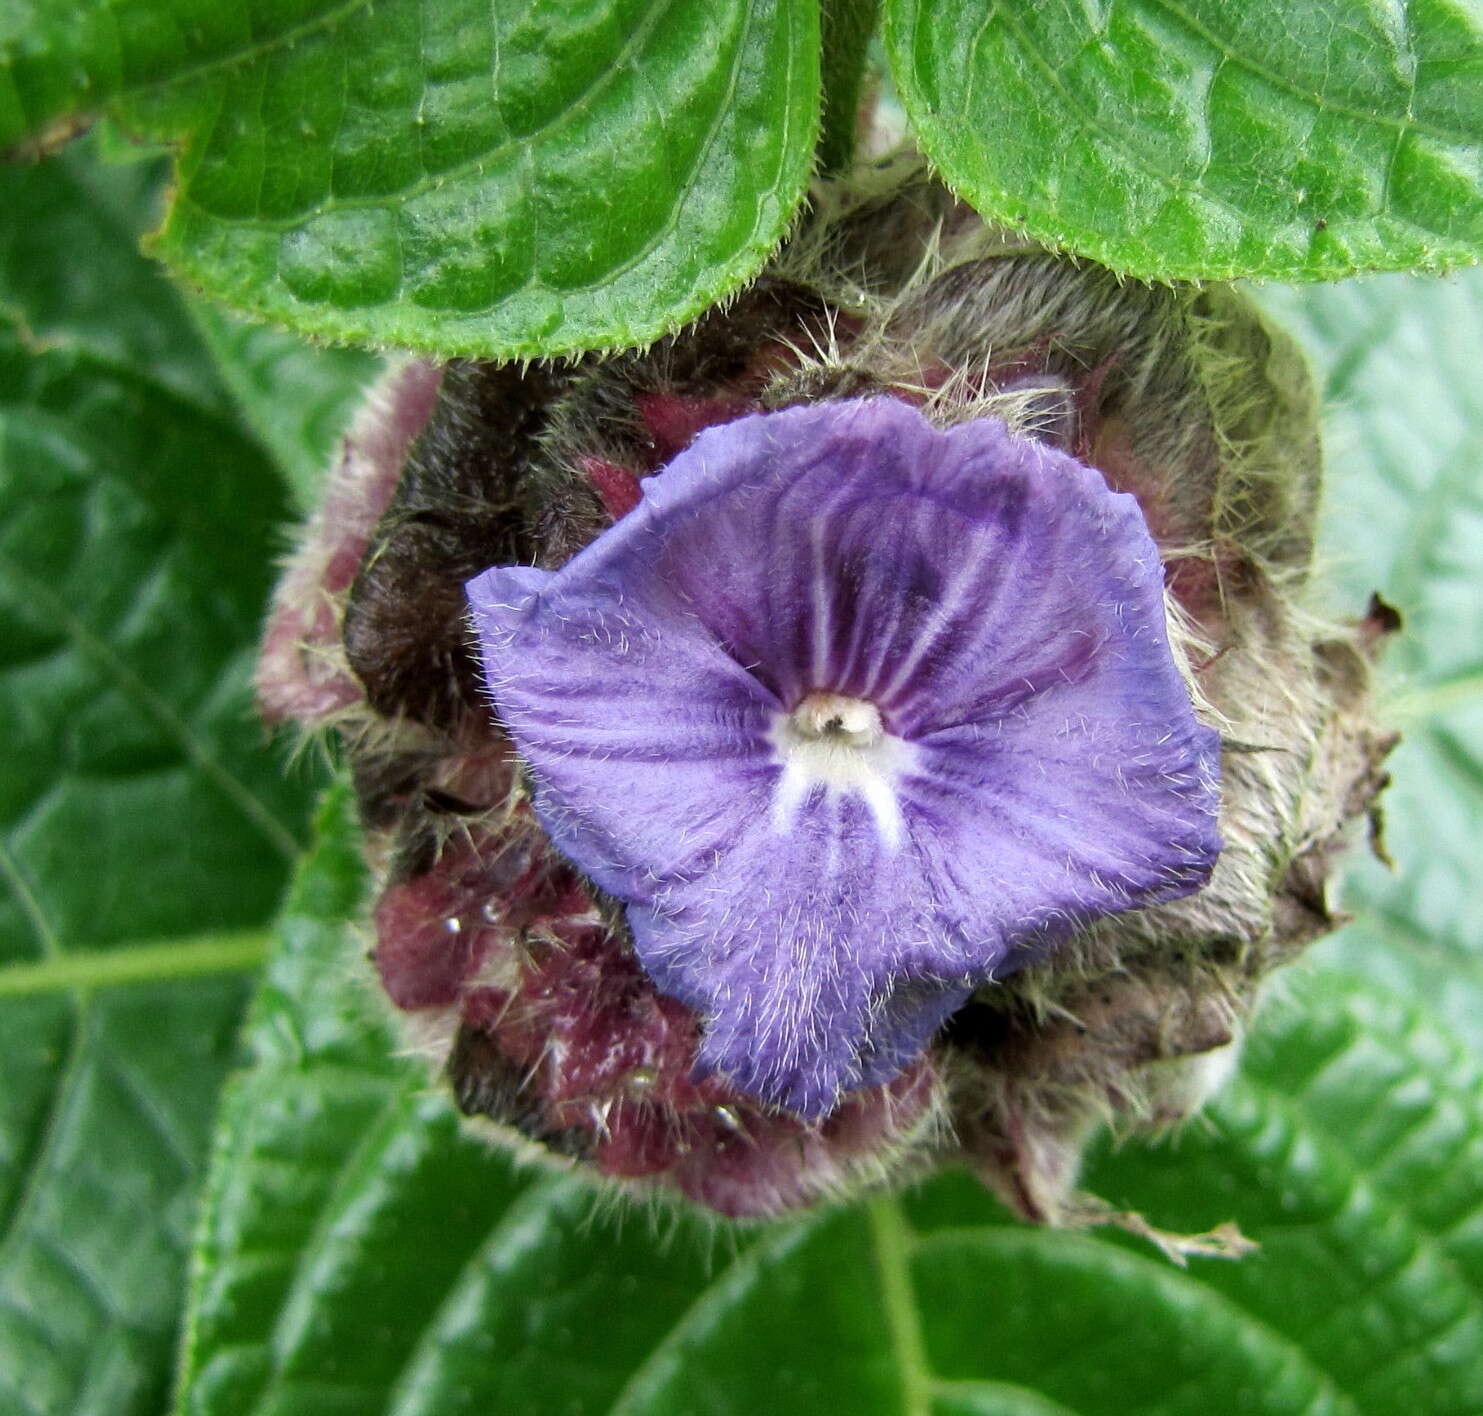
(880, 725)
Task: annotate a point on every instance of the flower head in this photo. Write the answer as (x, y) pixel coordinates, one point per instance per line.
(849, 714)
(855, 715)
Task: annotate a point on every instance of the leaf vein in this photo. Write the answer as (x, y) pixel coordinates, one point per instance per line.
(1318, 100)
(131, 685)
(59, 1105)
(890, 1242)
(635, 1397)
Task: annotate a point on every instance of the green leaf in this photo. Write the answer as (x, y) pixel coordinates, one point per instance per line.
(145, 833)
(71, 274)
(1200, 139)
(358, 1254)
(1351, 1145)
(104, 1118)
(444, 175)
(295, 397)
(65, 62)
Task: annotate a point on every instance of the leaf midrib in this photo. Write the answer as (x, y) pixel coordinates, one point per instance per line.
(891, 1240)
(148, 961)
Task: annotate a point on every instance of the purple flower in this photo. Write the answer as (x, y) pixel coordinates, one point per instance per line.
(854, 716)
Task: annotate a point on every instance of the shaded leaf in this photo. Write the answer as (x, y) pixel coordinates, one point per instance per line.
(141, 821)
(1399, 359)
(1201, 139)
(72, 274)
(295, 397)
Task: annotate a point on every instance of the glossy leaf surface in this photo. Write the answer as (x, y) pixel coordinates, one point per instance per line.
(1203, 139)
(444, 175)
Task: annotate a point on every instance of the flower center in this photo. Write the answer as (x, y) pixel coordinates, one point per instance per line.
(840, 721)
(841, 745)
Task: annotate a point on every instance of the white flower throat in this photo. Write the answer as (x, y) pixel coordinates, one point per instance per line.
(839, 743)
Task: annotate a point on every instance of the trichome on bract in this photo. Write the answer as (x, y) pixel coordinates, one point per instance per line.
(890, 730)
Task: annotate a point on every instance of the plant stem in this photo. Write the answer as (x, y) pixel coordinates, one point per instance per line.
(847, 26)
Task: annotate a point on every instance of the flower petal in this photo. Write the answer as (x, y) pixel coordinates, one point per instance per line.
(645, 739)
(991, 607)
(791, 949)
(1040, 830)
